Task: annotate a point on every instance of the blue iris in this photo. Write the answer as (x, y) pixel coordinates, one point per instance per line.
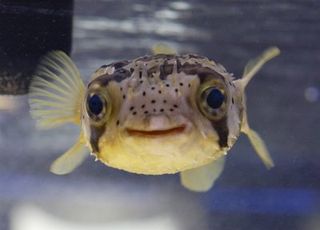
(95, 104)
(215, 98)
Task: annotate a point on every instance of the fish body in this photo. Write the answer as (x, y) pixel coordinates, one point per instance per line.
(157, 114)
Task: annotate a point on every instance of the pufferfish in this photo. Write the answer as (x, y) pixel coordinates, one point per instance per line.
(158, 114)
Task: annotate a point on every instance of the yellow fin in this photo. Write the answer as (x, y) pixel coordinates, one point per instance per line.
(161, 48)
(71, 159)
(56, 91)
(255, 65)
(257, 143)
(202, 179)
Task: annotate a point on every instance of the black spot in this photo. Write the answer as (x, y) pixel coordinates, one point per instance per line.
(120, 88)
(104, 66)
(164, 101)
(178, 65)
(121, 71)
(232, 101)
(153, 101)
(131, 70)
(118, 76)
(176, 90)
(159, 92)
(176, 106)
(154, 110)
(134, 113)
(141, 81)
(124, 96)
(171, 109)
(142, 106)
(146, 112)
(167, 85)
(181, 84)
(152, 88)
(118, 122)
(140, 74)
(120, 64)
(189, 85)
(161, 110)
(131, 108)
(143, 93)
(165, 70)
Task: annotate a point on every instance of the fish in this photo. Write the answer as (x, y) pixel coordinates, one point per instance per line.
(164, 113)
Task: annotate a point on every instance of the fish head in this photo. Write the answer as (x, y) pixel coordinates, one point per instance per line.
(161, 114)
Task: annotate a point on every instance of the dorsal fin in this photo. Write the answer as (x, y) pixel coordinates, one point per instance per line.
(161, 48)
(56, 91)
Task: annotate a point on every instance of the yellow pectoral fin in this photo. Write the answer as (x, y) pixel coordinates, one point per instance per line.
(260, 147)
(255, 65)
(202, 179)
(56, 91)
(71, 159)
(161, 48)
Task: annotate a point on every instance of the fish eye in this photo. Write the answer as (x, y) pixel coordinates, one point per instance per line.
(215, 98)
(95, 104)
(98, 106)
(212, 101)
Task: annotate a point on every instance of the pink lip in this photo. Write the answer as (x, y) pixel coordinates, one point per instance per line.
(156, 133)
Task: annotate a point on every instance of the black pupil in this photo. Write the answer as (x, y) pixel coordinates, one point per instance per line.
(215, 98)
(95, 104)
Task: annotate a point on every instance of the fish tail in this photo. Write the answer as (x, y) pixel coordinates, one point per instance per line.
(56, 91)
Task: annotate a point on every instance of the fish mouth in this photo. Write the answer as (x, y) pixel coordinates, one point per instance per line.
(157, 133)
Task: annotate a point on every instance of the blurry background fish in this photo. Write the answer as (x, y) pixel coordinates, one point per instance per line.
(283, 105)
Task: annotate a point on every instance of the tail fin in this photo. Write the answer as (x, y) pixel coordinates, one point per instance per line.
(56, 91)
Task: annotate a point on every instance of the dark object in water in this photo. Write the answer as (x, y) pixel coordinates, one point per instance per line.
(28, 31)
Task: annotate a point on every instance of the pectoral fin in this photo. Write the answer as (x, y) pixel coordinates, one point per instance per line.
(202, 179)
(257, 143)
(255, 65)
(70, 159)
(56, 91)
